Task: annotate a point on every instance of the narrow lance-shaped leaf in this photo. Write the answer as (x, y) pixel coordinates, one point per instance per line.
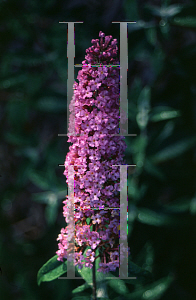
(151, 291)
(81, 288)
(51, 270)
(161, 113)
(173, 151)
(153, 218)
(86, 272)
(118, 286)
(164, 12)
(188, 21)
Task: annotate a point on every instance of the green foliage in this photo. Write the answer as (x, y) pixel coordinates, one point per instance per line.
(138, 272)
(38, 179)
(118, 286)
(173, 151)
(153, 218)
(161, 111)
(185, 22)
(51, 270)
(152, 291)
(86, 273)
(81, 288)
(165, 12)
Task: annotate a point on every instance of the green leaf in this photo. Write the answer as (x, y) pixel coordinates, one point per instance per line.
(118, 286)
(153, 170)
(139, 146)
(157, 289)
(143, 107)
(38, 179)
(173, 151)
(150, 217)
(32, 153)
(140, 25)
(88, 220)
(161, 113)
(51, 211)
(142, 275)
(193, 205)
(164, 133)
(48, 197)
(136, 271)
(165, 12)
(152, 291)
(151, 36)
(51, 270)
(178, 206)
(81, 288)
(101, 280)
(188, 21)
(86, 272)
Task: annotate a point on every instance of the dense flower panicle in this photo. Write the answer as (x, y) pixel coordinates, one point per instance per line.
(95, 150)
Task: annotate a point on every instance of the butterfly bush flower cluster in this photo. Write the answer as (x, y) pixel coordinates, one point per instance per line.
(94, 151)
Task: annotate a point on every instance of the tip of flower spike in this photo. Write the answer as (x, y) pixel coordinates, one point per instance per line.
(94, 41)
(101, 34)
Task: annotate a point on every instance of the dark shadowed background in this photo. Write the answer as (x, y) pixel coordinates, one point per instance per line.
(162, 112)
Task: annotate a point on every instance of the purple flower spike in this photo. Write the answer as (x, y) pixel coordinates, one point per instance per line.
(95, 150)
(101, 34)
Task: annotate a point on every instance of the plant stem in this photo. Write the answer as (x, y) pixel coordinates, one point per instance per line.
(94, 275)
(94, 282)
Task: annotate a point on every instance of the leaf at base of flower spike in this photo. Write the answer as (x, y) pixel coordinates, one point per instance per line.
(81, 288)
(51, 270)
(101, 281)
(134, 270)
(118, 286)
(86, 272)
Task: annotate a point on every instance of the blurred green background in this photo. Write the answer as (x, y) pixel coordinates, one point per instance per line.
(162, 112)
